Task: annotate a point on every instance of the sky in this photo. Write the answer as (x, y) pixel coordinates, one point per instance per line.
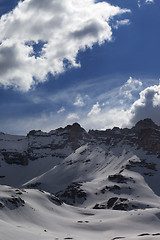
(92, 62)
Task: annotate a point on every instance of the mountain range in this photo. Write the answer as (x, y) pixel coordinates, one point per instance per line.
(73, 184)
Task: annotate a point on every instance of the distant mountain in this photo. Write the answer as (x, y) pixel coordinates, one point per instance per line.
(98, 172)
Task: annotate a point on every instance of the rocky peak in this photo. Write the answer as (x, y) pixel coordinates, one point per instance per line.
(36, 133)
(72, 136)
(75, 131)
(74, 127)
(148, 136)
(145, 124)
(75, 134)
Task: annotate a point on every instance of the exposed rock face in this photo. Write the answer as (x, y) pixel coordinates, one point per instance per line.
(57, 143)
(61, 142)
(72, 194)
(16, 158)
(73, 135)
(145, 135)
(149, 139)
(145, 124)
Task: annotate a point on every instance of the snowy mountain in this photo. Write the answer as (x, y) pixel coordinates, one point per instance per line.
(73, 184)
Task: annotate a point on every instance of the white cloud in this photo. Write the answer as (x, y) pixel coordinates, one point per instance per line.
(101, 115)
(106, 118)
(130, 87)
(130, 112)
(147, 106)
(149, 1)
(156, 99)
(62, 109)
(121, 23)
(143, 2)
(62, 27)
(95, 110)
(72, 116)
(79, 101)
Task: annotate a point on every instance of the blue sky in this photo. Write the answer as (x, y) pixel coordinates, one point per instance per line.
(78, 61)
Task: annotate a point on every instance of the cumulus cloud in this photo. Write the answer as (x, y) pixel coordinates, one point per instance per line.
(134, 108)
(127, 115)
(147, 106)
(59, 29)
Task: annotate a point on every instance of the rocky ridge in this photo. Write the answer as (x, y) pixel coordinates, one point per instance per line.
(37, 144)
(64, 141)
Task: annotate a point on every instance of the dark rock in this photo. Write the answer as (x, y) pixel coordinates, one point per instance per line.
(143, 234)
(15, 158)
(118, 203)
(73, 192)
(13, 202)
(56, 200)
(110, 188)
(35, 133)
(145, 124)
(99, 206)
(34, 185)
(142, 164)
(120, 206)
(1, 205)
(111, 202)
(118, 178)
(155, 234)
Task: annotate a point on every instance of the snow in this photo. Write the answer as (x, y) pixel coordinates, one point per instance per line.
(91, 167)
(16, 175)
(53, 222)
(13, 142)
(94, 176)
(40, 218)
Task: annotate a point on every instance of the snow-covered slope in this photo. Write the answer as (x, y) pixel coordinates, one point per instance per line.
(103, 177)
(96, 177)
(23, 158)
(32, 214)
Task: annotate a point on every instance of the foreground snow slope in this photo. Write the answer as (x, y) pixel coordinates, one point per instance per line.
(38, 215)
